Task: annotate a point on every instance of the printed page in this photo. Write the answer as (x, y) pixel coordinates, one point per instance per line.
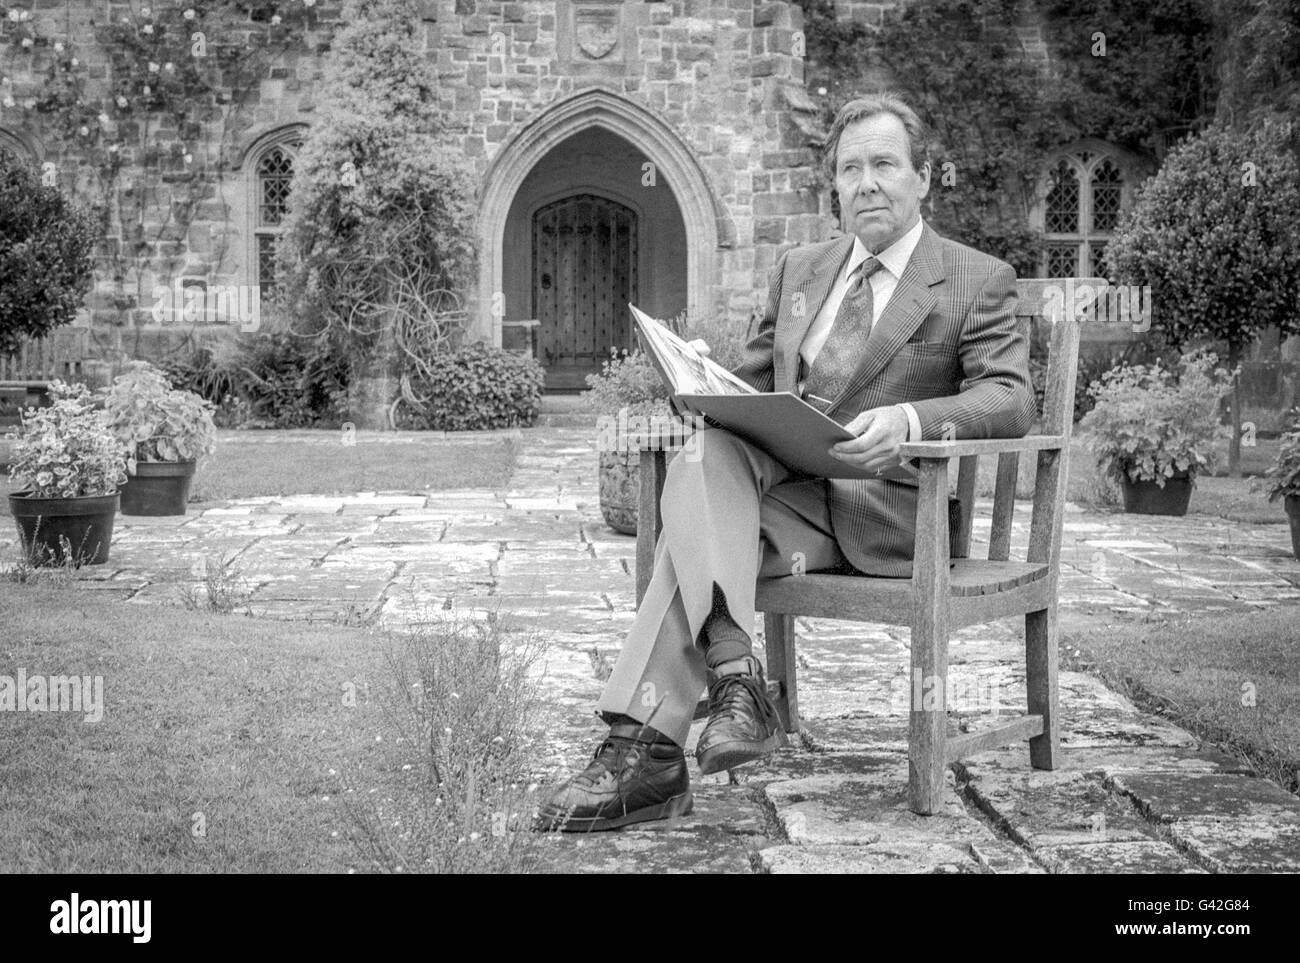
(685, 369)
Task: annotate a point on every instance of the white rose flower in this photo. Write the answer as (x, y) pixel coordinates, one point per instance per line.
(189, 14)
(121, 101)
(27, 41)
(153, 67)
(58, 46)
(148, 28)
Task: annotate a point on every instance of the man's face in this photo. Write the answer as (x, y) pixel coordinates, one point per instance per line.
(880, 192)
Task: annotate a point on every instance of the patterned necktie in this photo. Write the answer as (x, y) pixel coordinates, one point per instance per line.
(841, 354)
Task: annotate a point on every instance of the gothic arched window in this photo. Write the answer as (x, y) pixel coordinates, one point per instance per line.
(1084, 191)
(270, 174)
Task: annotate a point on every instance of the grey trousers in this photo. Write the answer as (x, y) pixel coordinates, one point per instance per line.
(730, 514)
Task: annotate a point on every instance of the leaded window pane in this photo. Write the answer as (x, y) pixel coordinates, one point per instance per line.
(1105, 196)
(1097, 254)
(266, 262)
(1062, 260)
(1063, 200)
(274, 172)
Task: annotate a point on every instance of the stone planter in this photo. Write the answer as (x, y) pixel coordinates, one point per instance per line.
(47, 525)
(620, 489)
(620, 441)
(1148, 498)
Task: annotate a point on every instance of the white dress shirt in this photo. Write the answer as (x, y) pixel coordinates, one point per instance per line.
(893, 260)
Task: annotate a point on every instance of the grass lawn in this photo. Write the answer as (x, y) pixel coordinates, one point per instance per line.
(248, 464)
(227, 744)
(1231, 679)
(236, 719)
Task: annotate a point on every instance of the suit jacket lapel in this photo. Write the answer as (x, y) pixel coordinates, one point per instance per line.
(909, 305)
(811, 293)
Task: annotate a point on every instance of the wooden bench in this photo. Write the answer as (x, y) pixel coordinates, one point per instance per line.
(948, 589)
(61, 355)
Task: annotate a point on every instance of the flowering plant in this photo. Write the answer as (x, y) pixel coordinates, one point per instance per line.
(1150, 424)
(1282, 479)
(156, 422)
(67, 449)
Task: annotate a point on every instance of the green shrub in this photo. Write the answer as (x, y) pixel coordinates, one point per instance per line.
(156, 422)
(475, 387)
(1150, 425)
(381, 221)
(46, 266)
(627, 380)
(267, 380)
(1282, 479)
(456, 791)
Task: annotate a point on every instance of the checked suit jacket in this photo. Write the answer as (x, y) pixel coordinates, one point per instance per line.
(947, 342)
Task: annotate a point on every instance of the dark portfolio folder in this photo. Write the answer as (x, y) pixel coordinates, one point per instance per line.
(781, 423)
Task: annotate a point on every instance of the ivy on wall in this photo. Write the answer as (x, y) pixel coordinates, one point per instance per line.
(996, 113)
(177, 72)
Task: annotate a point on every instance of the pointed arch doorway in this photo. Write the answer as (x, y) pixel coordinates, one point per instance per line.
(599, 143)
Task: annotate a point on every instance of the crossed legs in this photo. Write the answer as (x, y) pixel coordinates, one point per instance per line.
(730, 514)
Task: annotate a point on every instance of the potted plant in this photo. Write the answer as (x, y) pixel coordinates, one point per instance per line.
(1282, 479)
(1152, 431)
(165, 431)
(629, 400)
(69, 467)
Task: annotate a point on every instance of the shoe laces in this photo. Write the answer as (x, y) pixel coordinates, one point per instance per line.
(610, 759)
(737, 695)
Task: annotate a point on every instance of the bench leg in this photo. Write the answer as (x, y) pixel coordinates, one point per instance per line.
(1040, 681)
(778, 632)
(928, 721)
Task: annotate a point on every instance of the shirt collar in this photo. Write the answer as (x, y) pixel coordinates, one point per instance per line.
(893, 258)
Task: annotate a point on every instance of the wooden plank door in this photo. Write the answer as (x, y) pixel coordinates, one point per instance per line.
(584, 275)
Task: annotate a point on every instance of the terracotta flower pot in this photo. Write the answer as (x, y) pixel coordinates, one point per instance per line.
(1148, 498)
(47, 525)
(158, 488)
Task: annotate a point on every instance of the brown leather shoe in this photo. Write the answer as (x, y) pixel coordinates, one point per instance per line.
(743, 723)
(630, 780)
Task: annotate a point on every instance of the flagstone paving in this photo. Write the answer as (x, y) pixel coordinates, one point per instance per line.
(1134, 794)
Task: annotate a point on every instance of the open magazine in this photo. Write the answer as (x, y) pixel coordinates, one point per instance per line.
(781, 423)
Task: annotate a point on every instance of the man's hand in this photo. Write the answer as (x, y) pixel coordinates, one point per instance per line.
(879, 433)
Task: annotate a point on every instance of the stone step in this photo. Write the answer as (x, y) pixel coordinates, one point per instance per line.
(564, 411)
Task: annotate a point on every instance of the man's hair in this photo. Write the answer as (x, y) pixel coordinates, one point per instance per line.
(918, 134)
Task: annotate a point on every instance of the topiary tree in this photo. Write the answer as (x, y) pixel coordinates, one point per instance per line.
(45, 255)
(1213, 234)
(381, 218)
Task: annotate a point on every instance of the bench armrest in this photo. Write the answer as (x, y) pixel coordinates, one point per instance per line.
(980, 446)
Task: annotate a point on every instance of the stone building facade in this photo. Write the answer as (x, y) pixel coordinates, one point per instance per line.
(656, 151)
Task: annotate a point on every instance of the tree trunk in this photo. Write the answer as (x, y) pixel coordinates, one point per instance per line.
(373, 386)
(1234, 405)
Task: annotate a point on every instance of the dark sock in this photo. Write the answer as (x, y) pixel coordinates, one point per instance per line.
(725, 641)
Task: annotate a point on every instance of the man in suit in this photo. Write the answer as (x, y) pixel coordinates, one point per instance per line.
(893, 331)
